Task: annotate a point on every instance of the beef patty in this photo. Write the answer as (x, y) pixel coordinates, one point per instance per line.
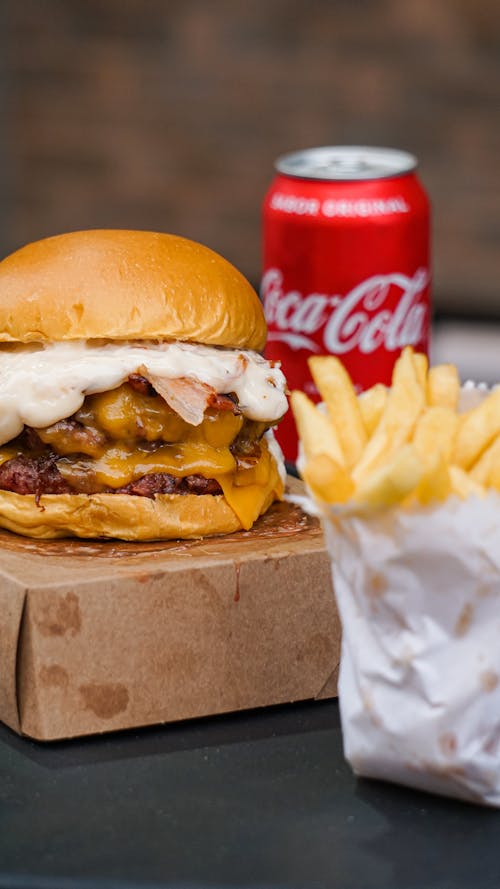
(40, 475)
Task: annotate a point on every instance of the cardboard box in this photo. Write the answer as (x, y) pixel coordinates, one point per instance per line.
(99, 636)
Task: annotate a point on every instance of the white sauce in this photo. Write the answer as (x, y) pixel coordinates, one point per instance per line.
(40, 385)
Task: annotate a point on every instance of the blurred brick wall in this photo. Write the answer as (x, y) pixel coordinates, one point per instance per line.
(167, 114)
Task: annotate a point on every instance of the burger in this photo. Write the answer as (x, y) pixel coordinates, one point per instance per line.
(134, 401)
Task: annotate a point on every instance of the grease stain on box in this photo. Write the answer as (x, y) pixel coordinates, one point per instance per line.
(54, 676)
(204, 585)
(60, 615)
(105, 700)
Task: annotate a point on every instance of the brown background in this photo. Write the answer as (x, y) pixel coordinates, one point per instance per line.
(167, 114)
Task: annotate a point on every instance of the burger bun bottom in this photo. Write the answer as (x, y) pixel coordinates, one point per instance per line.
(121, 516)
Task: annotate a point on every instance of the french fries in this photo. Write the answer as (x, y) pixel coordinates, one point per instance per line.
(328, 480)
(421, 364)
(405, 444)
(316, 431)
(443, 386)
(392, 481)
(371, 404)
(478, 428)
(486, 470)
(405, 402)
(435, 432)
(339, 395)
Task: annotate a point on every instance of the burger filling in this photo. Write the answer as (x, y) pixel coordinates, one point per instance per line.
(153, 433)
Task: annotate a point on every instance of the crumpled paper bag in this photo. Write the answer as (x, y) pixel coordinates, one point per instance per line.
(419, 598)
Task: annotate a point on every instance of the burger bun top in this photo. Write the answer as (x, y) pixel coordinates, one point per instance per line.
(126, 285)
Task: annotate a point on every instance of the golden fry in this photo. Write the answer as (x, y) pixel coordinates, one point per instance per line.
(328, 480)
(476, 430)
(494, 479)
(405, 403)
(316, 432)
(435, 483)
(443, 386)
(435, 433)
(371, 404)
(392, 482)
(463, 485)
(421, 363)
(486, 470)
(339, 395)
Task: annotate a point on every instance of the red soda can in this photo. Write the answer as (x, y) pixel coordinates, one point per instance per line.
(346, 267)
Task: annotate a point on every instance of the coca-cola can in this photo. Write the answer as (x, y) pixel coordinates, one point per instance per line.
(346, 269)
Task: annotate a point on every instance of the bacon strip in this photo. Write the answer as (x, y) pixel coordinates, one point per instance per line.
(140, 384)
(187, 397)
(223, 403)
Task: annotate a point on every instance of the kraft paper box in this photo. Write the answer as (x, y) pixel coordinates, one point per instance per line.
(100, 636)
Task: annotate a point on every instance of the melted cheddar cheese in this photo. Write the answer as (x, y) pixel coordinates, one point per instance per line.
(121, 464)
(247, 490)
(125, 414)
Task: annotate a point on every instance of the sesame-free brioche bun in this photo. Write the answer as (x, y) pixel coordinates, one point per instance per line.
(126, 285)
(120, 516)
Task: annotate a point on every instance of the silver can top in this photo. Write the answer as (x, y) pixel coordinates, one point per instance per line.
(346, 162)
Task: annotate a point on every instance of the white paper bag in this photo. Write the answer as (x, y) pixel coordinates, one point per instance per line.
(419, 598)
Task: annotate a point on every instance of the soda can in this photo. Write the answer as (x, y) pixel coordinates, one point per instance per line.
(346, 265)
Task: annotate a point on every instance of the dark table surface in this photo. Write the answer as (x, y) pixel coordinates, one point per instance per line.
(260, 799)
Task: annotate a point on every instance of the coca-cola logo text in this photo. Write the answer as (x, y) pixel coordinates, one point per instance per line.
(361, 319)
